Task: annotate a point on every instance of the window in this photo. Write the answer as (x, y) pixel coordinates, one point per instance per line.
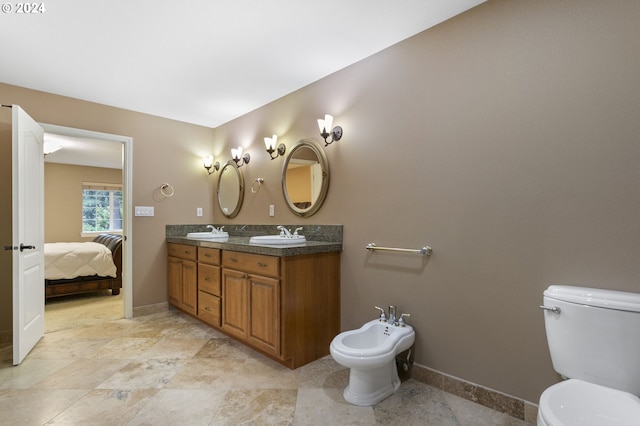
(101, 207)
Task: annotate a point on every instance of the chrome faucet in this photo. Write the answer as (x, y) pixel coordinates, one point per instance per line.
(295, 232)
(284, 232)
(392, 315)
(215, 230)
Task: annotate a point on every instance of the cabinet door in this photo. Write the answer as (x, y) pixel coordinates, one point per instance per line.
(235, 303)
(174, 281)
(264, 314)
(189, 297)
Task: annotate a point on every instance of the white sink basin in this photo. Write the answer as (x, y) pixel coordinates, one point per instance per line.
(208, 235)
(277, 239)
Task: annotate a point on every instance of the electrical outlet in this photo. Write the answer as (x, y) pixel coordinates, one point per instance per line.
(199, 212)
(272, 210)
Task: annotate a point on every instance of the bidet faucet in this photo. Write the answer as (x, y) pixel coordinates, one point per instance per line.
(392, 315)
(284, 232)
(383, 316)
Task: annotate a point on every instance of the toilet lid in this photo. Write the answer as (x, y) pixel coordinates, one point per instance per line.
(579, 403)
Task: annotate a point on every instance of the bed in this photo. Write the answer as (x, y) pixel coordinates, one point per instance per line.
(72, 268)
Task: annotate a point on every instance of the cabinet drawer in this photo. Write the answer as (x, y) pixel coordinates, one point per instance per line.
(209, 255)
(209, 308)
(251, 263)
(182, 251)
(209, 279)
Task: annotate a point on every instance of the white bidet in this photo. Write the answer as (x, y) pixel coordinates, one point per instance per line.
(370, 353)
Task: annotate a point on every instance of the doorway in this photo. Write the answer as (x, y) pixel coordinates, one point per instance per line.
(97, 144)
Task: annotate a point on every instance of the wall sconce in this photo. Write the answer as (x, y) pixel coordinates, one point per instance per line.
(236, 154)
(326, 130)
(270, 143)
(208, 164)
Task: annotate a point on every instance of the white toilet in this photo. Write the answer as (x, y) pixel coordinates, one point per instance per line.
(594, 341)
(370, 352)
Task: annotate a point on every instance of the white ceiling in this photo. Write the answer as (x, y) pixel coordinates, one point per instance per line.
(204, 62)
(200, 61)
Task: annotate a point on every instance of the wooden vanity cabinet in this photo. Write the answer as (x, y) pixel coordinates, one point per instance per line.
(209, 285)
(286, 307)
(182, 274)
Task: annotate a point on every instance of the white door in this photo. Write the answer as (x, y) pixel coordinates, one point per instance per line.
(27, 233)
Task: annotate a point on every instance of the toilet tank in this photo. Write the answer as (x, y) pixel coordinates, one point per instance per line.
(595, 336)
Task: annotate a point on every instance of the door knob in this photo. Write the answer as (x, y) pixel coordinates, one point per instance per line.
(23, 247)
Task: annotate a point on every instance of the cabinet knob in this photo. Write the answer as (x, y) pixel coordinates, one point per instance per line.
(233, 259)
(207, 308)
(208, 279)
(262, 265)
(245, 275)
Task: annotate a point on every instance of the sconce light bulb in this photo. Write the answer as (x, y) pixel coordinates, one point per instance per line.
(236, 153)
(207, 161)
(269, 143)
(321, 125)
(328, 122)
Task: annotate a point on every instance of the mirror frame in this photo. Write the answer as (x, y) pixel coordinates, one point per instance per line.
(232, 166)
(324, 165)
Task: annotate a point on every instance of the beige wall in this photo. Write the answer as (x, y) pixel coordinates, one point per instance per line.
(505, 138)
(63, 198)
(163, 151)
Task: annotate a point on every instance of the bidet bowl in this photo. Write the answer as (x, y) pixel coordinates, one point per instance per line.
(375, 343)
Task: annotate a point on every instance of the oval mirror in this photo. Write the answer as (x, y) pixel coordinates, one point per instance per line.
(305, 177)
(230, 189)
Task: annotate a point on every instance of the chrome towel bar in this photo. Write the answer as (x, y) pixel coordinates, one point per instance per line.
(425, 251)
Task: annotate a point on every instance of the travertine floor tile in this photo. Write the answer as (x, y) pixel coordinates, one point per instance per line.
(167, 368)
(67, 348)
(471, 414)
(324, 373)
(144, 374)
(30, 372)
(207, 373)
(224, 348)
(34, 406)
(415, 403)
(176, 348)
(257, 407)
(328, 407)
(126, 347)
(193, 407)
(81, 374)
(105, 407)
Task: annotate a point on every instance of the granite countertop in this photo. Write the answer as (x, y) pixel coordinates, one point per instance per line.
(242, 244)
(320, 239)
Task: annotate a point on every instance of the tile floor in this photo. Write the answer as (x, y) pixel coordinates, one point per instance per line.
(169, 369)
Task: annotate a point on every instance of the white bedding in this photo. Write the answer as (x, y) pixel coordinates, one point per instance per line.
(71, 260)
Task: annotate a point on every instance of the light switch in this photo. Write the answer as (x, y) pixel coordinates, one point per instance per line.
(199, 212)
(272, 210)
(143, 211)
